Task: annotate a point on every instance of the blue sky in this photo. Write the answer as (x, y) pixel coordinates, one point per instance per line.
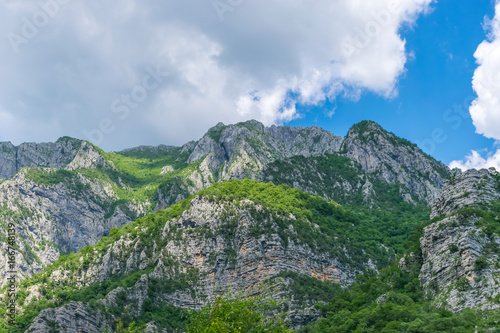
(124, 73)
(435, 92)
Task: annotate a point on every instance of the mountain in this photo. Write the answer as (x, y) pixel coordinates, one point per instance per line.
(250, 150)
(69, 194)
(233, 235)
(448, 280)
(161, 229)
(243, 234)
(461, 249)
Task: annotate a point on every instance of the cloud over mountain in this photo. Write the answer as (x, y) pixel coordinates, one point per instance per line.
(485, 109)
(109, 71)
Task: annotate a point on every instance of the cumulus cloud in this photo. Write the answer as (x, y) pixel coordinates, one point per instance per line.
(476, 161)
(485, 109)
(127, 72)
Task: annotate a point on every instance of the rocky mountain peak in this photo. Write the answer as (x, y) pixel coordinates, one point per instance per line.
(364, 128)
(395, 160)
(471, 188)
(242, 150)
(59, 154)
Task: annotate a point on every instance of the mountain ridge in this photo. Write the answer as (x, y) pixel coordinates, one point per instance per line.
(373, 186)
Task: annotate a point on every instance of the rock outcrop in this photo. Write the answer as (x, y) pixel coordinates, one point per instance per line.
(460, 253)
(73, 317)
(56, 155)
(212, 247)
(242, 150)
(467, 189)
(395, 160)
(60, 217)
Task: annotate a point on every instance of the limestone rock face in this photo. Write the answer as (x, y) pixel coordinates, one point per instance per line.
(467, 189)
(240, 261)
(461, 259)
(452, 250)
(64, 216)
(73, 317)
(395, 160)
(51, 155)
(243, 149)
(217, 245)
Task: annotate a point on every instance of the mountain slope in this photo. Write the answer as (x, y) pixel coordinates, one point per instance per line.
(68, 194)
(235, 234)
(448, 281)
(461, 250)
(250, 150)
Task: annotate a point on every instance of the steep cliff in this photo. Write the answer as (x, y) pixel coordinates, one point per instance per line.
(51, 155)
(461, 250)
(235, 235)
(395, 161)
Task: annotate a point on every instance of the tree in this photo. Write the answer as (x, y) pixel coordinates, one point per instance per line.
(238, 314)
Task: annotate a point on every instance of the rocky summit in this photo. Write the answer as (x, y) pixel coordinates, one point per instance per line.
(362, 233)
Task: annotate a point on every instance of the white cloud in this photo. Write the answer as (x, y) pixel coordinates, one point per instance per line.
(259, 62)
(476, 161)
(485, 109)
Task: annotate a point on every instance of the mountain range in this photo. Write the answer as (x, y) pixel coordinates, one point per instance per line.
(149, 232)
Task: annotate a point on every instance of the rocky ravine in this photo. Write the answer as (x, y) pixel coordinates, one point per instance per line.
(461, 259)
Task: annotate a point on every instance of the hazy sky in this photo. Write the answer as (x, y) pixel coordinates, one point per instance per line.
(125, 73)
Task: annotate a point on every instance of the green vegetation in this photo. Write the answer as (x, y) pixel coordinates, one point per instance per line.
(147, 231)
(49, 176)
(325, 226)
(238, 314)
(132, 328)
(340, 179)
(216, 132)
(394, 301)
(303, 288)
